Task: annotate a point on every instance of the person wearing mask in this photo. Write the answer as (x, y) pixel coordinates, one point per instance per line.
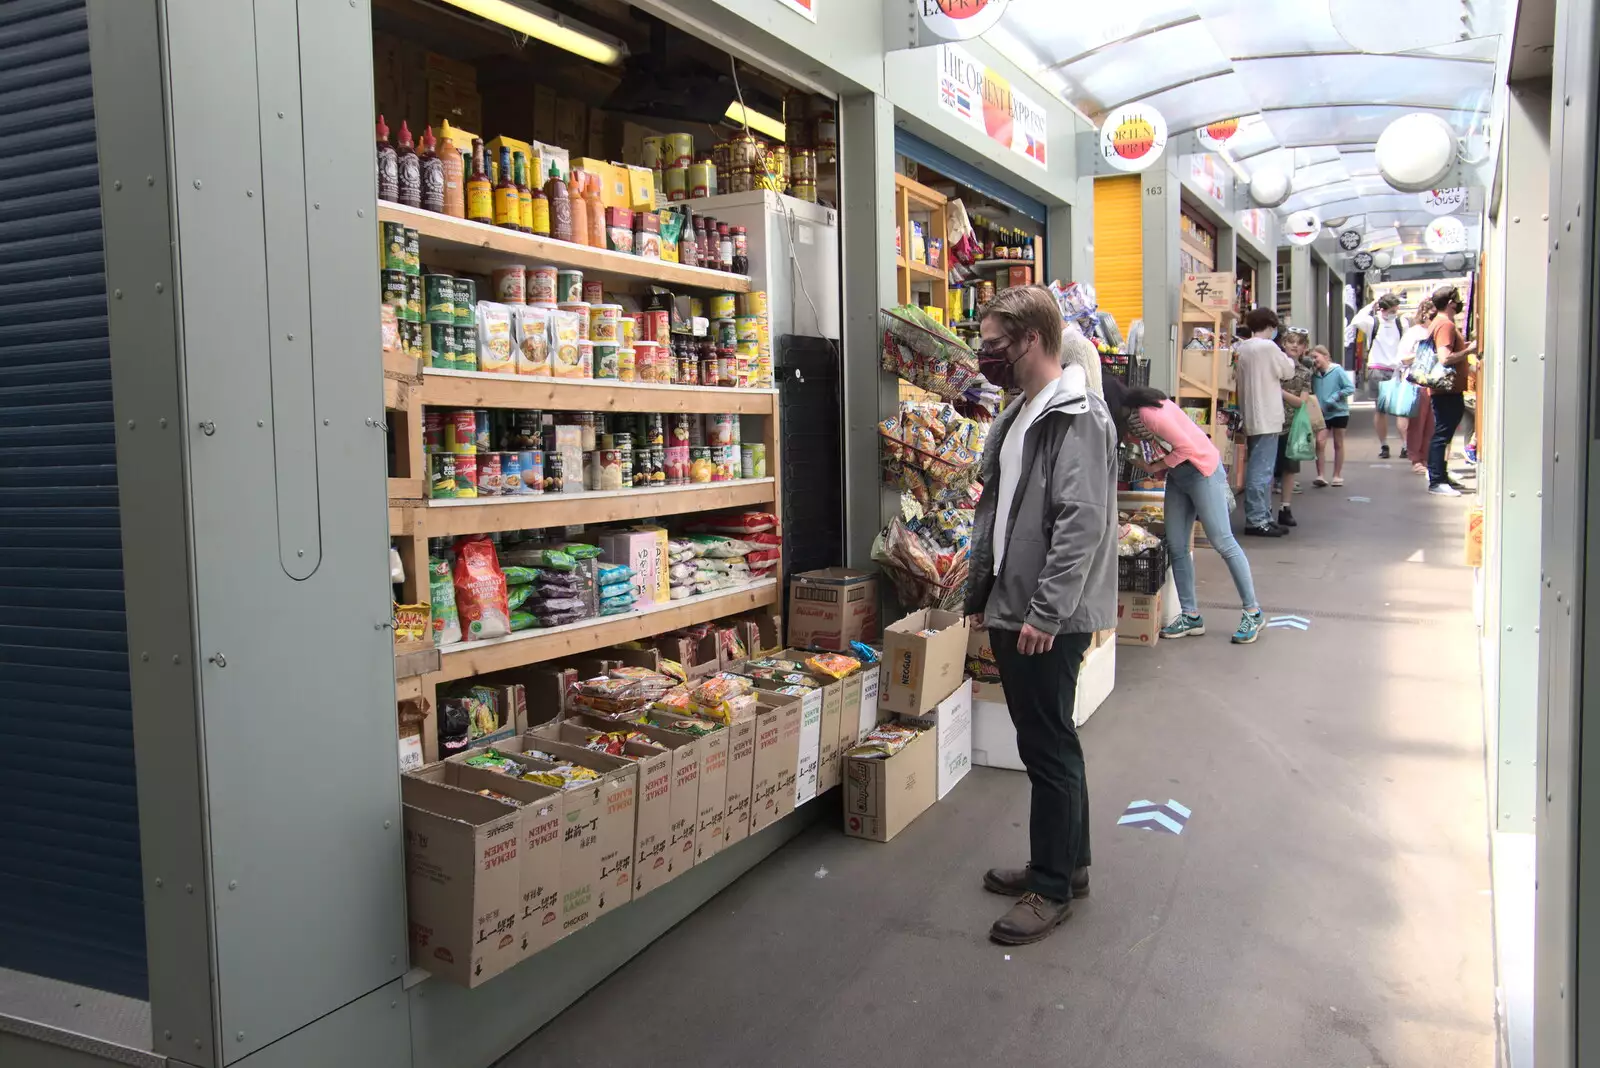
(1043, 579)
(1421, 423)
(1446, 391)
(1295, 392)
(1262, 369)
(1197, 488)
(1383, 363)
(1333, 388)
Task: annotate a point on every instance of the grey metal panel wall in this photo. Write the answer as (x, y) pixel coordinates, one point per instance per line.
(71, 904)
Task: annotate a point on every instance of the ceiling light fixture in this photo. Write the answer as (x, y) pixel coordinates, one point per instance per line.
(740, 115)
(549, 27)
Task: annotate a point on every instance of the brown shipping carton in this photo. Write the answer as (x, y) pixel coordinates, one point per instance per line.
(882, 795)
(581, 811)
(920, 671)
(830, 608)
(712, 835)
(693, 779)
(614, 826)
(741, 777)
(539, 922)
(808, 742)
(462, 882)
(833, 702)
(652, 802)
(777, 748)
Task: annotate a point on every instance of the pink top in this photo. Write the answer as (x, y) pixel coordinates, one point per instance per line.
(1188, 441)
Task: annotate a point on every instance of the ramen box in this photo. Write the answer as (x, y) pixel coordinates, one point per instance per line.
(830, 608)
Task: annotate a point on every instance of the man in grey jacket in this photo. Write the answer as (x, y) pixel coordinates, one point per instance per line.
(1043, 579)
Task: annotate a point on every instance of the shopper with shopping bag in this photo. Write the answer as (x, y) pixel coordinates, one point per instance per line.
(1445, 375)
(1296, 395)
(1043, 579)
(1332, 389)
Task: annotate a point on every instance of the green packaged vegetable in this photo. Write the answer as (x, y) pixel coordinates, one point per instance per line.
(442, 591)
(520, 576)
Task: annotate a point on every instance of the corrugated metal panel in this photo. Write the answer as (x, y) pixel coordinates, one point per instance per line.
(71, 904)
(1119, 247)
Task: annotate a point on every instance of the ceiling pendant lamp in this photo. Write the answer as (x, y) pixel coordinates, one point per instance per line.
(1269, 187)
(1416, 152)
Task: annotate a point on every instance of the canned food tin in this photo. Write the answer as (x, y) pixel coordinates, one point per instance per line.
(606, 361)
(803, 166)
(466, 476)
(484, 434)
(722, 306)
(652, 151)
(680, 150)
(727, 368)
(555, 466)
(658, 327)
(441, 298)
(489, 476)
(411, 339)
(627, 331)
(594, 292)
(625, 462)
(806, 191)
(511, 285)
(675, 180)
(394, 291)
(748, 329)
(604, 323)
(701, 468)
(658, 465)
(676, 465)
(587, 433)
(413, 298)
(413, 252)
(466, 301)
(461, 431)
(725, 333)
(627, 369)
(580, 310)
(510, 473)
(753, 303)
(569, 287)
(753, 461)
(719, 428)
(438, 337)
(586, 358)
(433, 430)
(641, 468)
(724, 463)
(442, 476)
(532, 463)
(394, 247)
(542, 283)
(466, 350)
(699, 180)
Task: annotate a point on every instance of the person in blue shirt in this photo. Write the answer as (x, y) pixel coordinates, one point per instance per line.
(1334, 388)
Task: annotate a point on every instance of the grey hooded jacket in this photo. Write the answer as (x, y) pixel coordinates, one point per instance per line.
(1059, 573)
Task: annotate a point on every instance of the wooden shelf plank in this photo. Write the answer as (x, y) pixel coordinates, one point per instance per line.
(517, 650)
(922, 270)
(401, 364)
(475, 389)
(919, 194)
(479, 247)
(488, 514)
(405, 488)
(991, 265)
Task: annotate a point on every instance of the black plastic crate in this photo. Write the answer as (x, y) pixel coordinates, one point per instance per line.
(1143, 572)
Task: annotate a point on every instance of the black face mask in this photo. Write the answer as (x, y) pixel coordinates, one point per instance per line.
(998, 369)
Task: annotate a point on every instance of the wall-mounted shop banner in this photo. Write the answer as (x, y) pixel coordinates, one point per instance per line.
(1445, 234)
(808, 8)
(1302, 227)
(984, 100)
(1349, 240)
(1207, 175)
(1216, 135)
(1254, 222)
(1443, 201)
(1363, 261)
(1132, 137)
(960, 20)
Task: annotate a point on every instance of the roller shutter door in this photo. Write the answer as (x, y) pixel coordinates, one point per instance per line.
(1119, 248)
(71, 905)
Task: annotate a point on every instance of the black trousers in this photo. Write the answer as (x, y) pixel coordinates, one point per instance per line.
(1447, 411)
(1040, 692)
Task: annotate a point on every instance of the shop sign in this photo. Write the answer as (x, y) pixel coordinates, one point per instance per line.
(1443, 201)
(1213, 292)
(1302, 227)
(1216, 135)
(808, 8)
(1254, 221)
(1207, 176)
(1349, 240)
(1132, 137)
(1445, 234)
(1363, 261)
(984, 100)
(960, 20)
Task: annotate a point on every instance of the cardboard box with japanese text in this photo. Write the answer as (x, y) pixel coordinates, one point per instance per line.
(741, 779)
(832, 607)
(808, 740)
(776, 756)
(924, 660)
(882, 795)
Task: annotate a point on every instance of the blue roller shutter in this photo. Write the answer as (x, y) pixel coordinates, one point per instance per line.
(71, 905)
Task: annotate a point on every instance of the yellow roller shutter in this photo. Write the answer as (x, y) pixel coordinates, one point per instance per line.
(1119, 248)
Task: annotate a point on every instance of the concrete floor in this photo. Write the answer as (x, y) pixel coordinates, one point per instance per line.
(1327, 905)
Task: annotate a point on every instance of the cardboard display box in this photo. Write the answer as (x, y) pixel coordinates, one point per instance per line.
(1140, 616)
(921, 670)
(950, 722)
(741, 778)
(463, 886)
(830, 732)
(808, 739)
(776, 757)
(762, 632)
(882, 795)
(830, 608)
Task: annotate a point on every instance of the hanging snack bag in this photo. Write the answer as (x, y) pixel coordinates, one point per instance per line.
(480, 590)
(442, 591)
(494, 339)
(530, 326)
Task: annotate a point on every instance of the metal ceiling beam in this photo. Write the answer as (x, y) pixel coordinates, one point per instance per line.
(1196, 80)
(1381, 55)
(1097, 49)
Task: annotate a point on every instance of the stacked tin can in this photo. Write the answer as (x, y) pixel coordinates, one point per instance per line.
(401, 278)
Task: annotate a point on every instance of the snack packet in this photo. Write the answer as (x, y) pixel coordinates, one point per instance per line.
(833, 665)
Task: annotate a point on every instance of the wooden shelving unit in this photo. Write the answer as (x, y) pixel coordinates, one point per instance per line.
(438, 519)
(479, 248)
(476, 389)
(1206, 375)
(914, 199)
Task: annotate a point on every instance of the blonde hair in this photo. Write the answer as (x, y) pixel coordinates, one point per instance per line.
(1322, 349)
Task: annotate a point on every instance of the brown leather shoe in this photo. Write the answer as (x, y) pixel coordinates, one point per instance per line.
(1013, 882)
(1030, 920)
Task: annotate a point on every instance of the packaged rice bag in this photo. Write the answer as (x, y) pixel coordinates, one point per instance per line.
(442, 592)
(679, 572)
(833, 665)
(620, 603)
(480, 590)
(678, 593)
(616, 589)
(530, 330)
(520, 576)
(607, 574)
(581, 551)
(494, 339)
(716, 546)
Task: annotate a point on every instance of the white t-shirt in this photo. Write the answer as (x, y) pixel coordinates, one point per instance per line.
(1414, 336)
(1011, 465)
(1385, 344)
(1263, 369)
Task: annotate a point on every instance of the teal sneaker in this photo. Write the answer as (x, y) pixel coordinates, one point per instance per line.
(1184, 627)
(1249, 628)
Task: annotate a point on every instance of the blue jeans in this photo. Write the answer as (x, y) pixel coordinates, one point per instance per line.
(1263, 459)
(1191, 496)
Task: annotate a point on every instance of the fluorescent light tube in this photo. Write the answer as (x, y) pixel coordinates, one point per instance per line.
(551, 29)
(740, 115)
